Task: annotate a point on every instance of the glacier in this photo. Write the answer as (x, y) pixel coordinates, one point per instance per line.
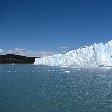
(88, 56)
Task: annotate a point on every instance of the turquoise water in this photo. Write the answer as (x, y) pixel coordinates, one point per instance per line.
(30, 88)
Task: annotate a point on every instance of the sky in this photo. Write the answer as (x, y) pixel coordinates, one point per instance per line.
(54, 25)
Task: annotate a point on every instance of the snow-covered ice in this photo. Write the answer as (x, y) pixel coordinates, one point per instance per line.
(87, 56)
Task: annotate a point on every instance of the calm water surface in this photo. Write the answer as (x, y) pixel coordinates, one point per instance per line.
(30, 88)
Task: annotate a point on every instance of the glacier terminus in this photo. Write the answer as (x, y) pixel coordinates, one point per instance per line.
(88, 56)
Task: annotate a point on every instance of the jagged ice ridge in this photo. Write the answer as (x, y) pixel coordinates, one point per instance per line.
(88, 56)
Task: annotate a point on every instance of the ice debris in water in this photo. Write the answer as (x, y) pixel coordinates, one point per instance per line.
(88, 56)
(67, 71)
(48, 70)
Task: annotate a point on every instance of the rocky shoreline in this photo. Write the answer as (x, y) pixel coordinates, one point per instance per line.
(16, 59)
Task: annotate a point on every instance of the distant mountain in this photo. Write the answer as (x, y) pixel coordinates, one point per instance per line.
(87, 56)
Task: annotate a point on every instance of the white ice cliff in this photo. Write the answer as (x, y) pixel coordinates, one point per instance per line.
(88, 56)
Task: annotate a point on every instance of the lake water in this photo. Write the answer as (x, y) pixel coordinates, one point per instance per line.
(31, 88)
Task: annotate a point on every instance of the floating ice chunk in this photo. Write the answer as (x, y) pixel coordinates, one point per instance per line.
(64, 66)
(48, 70)
(67, 71)
(78, 69)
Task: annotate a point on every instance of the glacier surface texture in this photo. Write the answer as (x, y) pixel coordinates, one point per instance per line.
(89, 56)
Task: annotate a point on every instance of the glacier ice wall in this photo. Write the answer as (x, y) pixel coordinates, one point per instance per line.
(88, 56)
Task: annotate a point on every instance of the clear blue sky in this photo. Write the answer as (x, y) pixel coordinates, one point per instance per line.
(50, 24)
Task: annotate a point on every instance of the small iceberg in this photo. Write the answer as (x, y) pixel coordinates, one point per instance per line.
(48, 70)
(67, 71)
(64, 66)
